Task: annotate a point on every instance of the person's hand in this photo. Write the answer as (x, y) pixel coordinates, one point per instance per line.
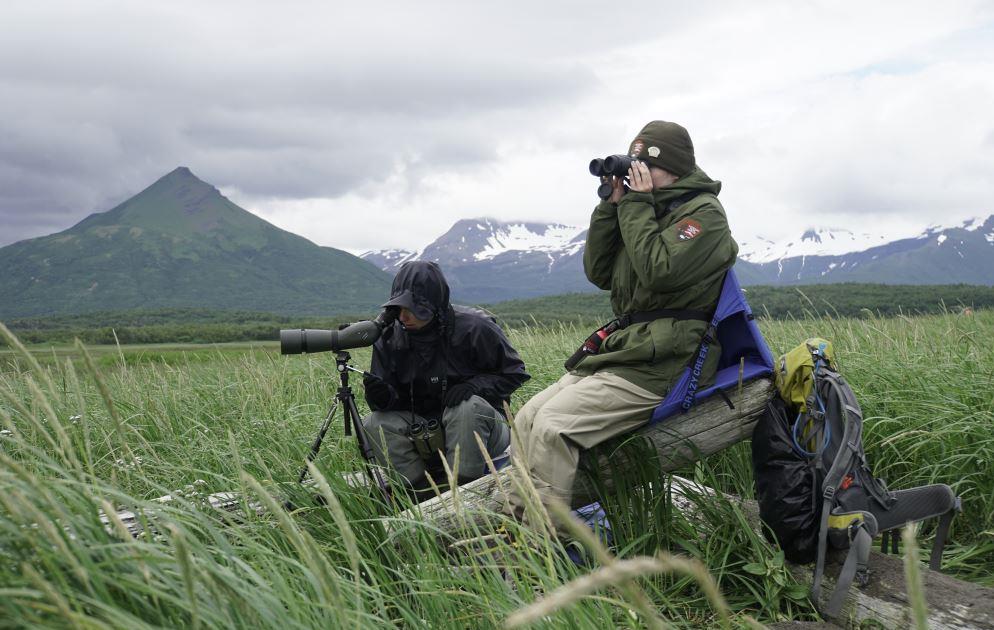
(617, 189)
(639, 178)
(379, 393)
(458, 393)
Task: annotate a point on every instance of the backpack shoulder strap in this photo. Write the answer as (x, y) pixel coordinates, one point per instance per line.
(850, 417)
(850, 450)
(855, 564)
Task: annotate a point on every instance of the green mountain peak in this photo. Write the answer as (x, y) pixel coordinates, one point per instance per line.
(181, 243)
(181, 204)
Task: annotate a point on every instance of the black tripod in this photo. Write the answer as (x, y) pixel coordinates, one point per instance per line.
(346, 399)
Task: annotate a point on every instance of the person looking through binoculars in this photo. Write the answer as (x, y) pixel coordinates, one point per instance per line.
(440, 375)
(660, 244)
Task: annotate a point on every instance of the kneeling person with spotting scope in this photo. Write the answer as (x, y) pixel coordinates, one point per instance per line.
(443, 374)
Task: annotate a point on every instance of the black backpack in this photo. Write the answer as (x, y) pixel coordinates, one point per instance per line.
(815, 487)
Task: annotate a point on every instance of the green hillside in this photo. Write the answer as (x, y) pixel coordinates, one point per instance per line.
(796, 302)
(180, 243)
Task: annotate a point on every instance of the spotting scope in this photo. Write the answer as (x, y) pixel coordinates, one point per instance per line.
(357, 335)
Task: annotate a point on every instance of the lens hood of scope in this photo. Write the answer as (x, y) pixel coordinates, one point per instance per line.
(291, 341)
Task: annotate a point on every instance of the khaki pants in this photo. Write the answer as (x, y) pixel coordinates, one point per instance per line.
(576, 412)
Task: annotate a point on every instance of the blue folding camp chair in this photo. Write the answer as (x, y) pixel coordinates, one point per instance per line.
(744, 354)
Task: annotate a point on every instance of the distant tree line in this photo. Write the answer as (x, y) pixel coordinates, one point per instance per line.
(866, 300)
(176, 325)
(173, 325)
(793, 302)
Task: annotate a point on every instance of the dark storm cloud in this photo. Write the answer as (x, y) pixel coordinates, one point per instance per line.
(99, 102)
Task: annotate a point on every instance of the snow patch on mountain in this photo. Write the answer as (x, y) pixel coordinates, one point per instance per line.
(510, 237)
(813, 242)
(387, 259)
(970, 225)
(840, 241)
(479, 241)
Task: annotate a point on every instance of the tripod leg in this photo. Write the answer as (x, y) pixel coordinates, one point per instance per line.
(355, 420)
(352, 416)
(316, 446)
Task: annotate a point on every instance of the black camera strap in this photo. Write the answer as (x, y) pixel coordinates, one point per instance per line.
(592, 344)
(678, 314)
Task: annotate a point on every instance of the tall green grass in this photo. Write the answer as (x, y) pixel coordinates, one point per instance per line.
(85, 436)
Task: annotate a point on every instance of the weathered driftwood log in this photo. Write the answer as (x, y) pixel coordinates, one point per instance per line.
(707, 429)
(221, 501)
(952, 604)
(679, 440)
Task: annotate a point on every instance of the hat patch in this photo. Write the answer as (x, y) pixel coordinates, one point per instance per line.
(653, 151)
(688, 229)
(636, 149)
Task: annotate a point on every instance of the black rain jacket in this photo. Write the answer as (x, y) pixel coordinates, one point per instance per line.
(460, 345)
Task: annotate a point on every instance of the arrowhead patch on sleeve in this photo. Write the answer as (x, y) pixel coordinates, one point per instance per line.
(688, 229)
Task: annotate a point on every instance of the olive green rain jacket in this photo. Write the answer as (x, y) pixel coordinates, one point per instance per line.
(653, 252)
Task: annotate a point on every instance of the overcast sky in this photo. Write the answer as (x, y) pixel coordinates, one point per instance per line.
(366, 125)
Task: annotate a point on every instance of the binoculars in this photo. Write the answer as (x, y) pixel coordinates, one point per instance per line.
(616, 165)
(428, 438)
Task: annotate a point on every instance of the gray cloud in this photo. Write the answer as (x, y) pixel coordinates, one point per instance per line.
(424, 112)
(99, 103)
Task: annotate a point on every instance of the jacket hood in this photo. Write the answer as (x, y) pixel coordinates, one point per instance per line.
(696, 180)
(421, 283)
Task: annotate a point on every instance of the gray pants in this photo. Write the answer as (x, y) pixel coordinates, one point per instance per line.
(387, 432)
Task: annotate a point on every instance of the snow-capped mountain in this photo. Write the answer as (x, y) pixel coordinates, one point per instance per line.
(958, 253)
(388, 259)
(835, 241)
(487, 260)
(813, 242)
(476, 240)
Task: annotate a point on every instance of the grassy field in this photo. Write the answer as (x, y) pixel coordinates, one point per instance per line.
(116, 427)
